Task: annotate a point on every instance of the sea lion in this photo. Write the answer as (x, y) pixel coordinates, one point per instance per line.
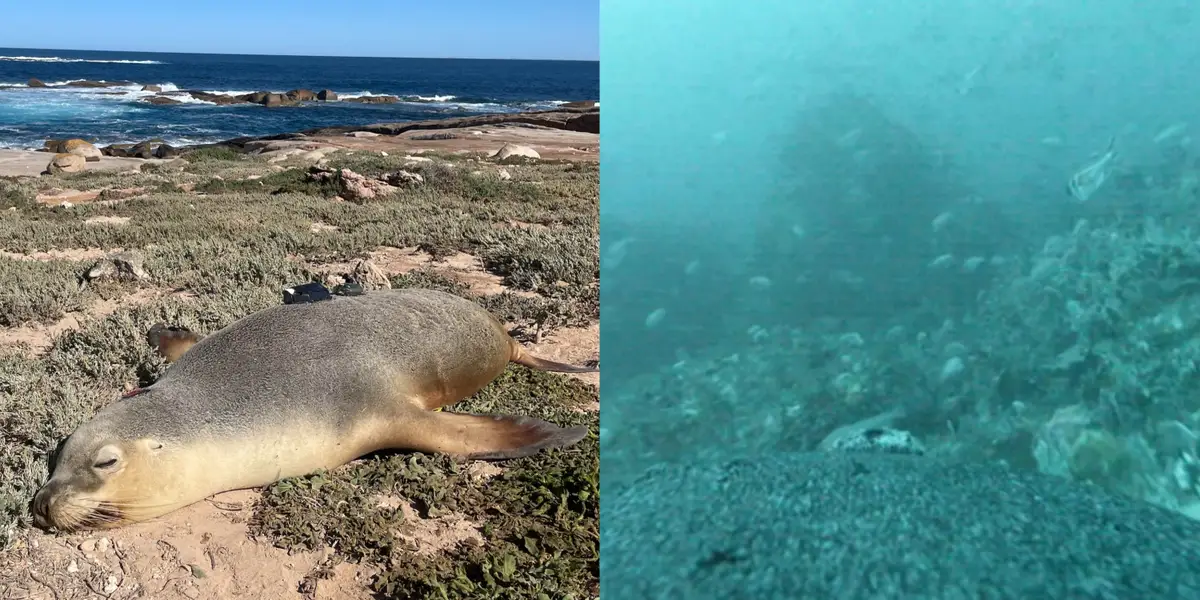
(290, 390)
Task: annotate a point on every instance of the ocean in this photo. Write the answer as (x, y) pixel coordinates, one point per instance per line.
(860, 341)
(427, 89)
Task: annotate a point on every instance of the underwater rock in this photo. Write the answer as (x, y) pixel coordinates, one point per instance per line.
(879, 439)
(867, 526)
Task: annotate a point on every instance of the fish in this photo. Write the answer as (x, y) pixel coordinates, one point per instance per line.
(760, 282)
(1169, 132)
(1088, 180)
(940, 221)
(942, 261)
(615, 254)
(655, 317)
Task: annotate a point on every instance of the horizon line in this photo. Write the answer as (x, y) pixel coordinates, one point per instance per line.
(595, 60)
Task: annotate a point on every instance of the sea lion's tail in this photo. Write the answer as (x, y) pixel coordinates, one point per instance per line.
(169, 341)
(521, 357)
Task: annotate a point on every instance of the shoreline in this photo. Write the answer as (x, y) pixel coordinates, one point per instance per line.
(566, 133)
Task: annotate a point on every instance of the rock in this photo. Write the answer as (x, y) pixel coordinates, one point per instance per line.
(404, 179)
(166, 151)
(88, 83)
(374, 99)
(268, 99)
(218, 99)
(362, 134)
(65, 163)
(116, 150)
(428, 137)
(354, 187)
(76, 146)
(141, 150)
(122, 266)
(583, 104)
(302, 95)
(161, 100)
(504, 175)
(152, 88)
(508, 150)
(277, 100)
(879, 439)
(327, 95)
(34, 82)
(371, 277)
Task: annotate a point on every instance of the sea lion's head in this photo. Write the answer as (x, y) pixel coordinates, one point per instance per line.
(105, 475)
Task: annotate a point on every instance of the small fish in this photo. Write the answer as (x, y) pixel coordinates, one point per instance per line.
(942, 261)
(1052, 140)
(969, 81)
(941, 220)
(760, 282)
(971, 264)
(798, 231)
(655, 317)
(1169, 132)
(692, 268)
(1088, 180)
(850, 138)
(615, 254)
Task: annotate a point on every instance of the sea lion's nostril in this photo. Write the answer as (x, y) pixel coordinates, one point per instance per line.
(41, 508)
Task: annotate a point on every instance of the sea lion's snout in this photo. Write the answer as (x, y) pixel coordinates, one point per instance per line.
(42, 504)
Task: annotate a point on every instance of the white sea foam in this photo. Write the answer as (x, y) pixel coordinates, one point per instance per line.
(58, 59)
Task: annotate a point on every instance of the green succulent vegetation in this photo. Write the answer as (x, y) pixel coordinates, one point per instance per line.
(222, 233)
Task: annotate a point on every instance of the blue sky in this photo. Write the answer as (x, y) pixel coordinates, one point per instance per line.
(534, 29)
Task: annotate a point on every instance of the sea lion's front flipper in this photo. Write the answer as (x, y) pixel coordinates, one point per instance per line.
(170, 341)
(484, 437)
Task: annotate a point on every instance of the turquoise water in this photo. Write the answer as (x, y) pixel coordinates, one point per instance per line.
(837, 241)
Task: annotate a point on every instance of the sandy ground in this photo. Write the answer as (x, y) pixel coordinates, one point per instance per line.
(17, 163)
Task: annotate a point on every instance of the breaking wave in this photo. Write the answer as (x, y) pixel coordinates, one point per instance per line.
(59, 59)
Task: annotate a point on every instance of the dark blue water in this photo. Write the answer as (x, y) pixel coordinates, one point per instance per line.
(430, 88)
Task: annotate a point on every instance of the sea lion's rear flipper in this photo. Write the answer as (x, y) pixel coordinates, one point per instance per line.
(521, 357)
(486, 437)
(169, 341)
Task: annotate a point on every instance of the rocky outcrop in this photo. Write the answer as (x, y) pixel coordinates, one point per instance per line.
(65, 163)
(219, 99)
(129, 265)
(34, 82)
(77, 147)
(152, 88)
(302, 95)
(360, 189)
(161, 100)
(268, 99)
(374, 99)
(585, 120)
(510, 150)
(148, 149)
(327, 96)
